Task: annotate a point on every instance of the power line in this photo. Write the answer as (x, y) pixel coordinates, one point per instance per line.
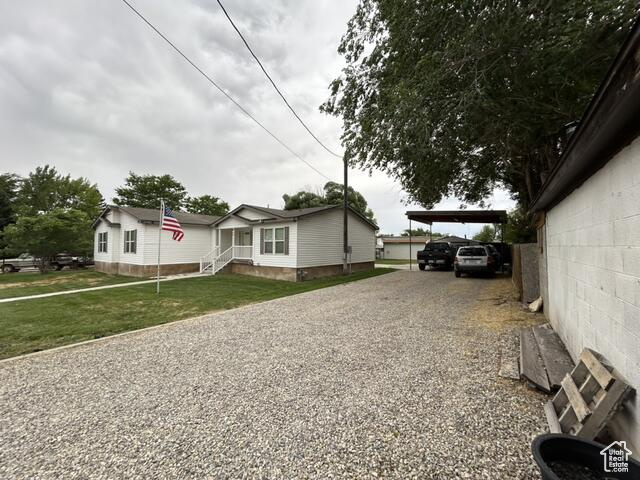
(161, 35)
(246, 44)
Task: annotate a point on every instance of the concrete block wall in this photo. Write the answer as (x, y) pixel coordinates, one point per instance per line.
(593, 273)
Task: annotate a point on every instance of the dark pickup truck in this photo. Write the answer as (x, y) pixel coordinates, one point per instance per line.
(436, 254)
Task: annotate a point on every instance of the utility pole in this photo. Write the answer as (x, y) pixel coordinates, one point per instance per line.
(345, 218)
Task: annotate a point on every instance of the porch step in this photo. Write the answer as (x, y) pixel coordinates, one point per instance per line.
(544, 361)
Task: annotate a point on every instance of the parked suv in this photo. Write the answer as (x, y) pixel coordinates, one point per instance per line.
(436, 254)
(474, 259)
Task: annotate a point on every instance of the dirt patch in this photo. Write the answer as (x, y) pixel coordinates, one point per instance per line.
(499, 308)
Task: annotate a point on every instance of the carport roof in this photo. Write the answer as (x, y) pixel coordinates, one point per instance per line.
(458, 216)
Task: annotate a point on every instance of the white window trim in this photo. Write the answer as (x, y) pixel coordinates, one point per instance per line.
(103, 242)
(129, 243)
(273, 241)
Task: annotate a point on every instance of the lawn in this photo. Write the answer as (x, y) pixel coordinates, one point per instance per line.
(33, 283)
(392, 261)
(33, 325)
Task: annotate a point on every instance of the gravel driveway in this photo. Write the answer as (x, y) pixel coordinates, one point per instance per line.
(387, 377)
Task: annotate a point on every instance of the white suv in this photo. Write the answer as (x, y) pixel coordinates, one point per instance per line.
(474, 259)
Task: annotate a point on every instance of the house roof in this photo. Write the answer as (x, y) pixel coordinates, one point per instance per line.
(415, 239)
(458, 216)
(454, 239)
(609, 123)
(151, 215)
(279, 214)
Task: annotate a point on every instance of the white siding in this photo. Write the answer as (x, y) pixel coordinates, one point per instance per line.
(195, 244)
(232, 222)
(253, 214)
(276, 259)
(593, 265)
(400, 251)
(320, 239)
(127, 222)
(113, 245)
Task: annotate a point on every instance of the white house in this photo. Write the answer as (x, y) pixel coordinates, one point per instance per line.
(401, 248)
(284, 244)
(589, 233)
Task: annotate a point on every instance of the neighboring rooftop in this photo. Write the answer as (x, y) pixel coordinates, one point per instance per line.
(414, 239)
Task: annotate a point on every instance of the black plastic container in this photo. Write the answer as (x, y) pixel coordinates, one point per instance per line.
(580, 457)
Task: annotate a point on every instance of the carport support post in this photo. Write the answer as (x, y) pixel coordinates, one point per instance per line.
(410, 254)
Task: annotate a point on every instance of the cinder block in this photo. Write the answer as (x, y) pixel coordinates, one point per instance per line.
(632, 318)
(631, 261)
(627, 231)
(628, 288)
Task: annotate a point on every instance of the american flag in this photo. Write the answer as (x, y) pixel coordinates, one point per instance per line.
(170, 223)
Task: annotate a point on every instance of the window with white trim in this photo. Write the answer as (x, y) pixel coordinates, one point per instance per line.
(274, 240)
(102, 242)
(130, 240)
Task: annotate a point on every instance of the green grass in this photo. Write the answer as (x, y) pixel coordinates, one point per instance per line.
(391, 261)
(32, 325)
(22, 284)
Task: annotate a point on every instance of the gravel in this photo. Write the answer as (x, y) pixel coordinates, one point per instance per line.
(388, 377)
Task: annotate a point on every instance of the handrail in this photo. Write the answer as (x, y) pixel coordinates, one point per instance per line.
(217, 261)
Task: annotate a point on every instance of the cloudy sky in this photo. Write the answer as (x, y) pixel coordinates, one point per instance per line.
(87, 87)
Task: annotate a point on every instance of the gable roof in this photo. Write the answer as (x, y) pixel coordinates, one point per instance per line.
(151, 215)
(279, 214)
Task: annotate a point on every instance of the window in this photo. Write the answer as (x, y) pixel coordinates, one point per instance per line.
(275, 240)
(130, 237)
(268, 240)
(102, 242)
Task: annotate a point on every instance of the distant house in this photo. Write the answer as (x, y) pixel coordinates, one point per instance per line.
(401, 248)
(285, 244)
(589, 232)
(404, 248)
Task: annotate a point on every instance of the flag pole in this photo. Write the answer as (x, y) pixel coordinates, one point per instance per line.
(159, 242)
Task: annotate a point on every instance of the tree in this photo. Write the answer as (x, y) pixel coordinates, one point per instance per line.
(44, 235)
(145, 191)
(8, 193)
(207, 205)
(486, 234)
(518, 228)
(45, 190)
(303, 199)
(333, 195)
(459, 97)
(415, 232)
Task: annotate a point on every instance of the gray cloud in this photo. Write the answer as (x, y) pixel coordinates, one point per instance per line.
(87, 87)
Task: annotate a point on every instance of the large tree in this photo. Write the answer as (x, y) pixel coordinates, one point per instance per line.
(44, 190)
(46, 234)
(8, 193)
(458, 97)
(146, 191)
(207, 205)
(333, 195)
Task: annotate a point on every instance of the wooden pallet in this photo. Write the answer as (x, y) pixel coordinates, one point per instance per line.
(589, 397)
(544, 361)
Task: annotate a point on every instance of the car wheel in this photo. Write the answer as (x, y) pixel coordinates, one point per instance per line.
(458, 273)
(422, 266)
(7, 268)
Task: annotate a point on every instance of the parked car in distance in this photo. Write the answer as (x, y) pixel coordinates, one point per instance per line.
(72, 261)
(474, 259)
(23, 260)
(436, 254)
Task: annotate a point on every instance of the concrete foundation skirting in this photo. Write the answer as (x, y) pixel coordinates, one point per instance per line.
(295, 274)
(145, 270)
